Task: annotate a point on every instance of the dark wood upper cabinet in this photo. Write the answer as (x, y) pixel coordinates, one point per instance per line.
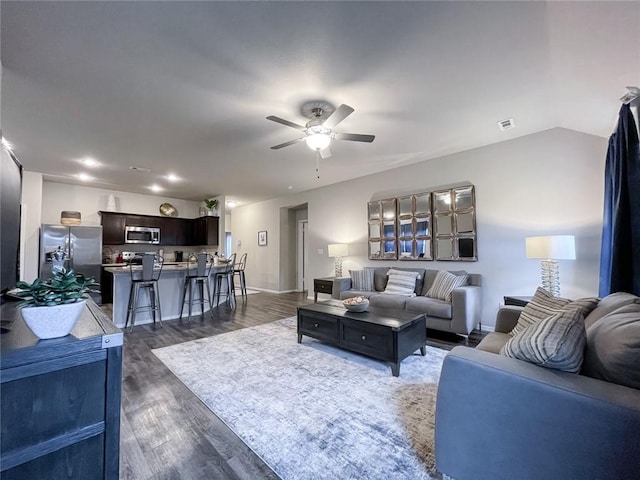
(205, 231)
(176, 231)
(144, 221)
(173, 231)
(112, 228)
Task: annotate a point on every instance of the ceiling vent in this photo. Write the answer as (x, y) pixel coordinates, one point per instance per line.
(507, 124)
(139, 169)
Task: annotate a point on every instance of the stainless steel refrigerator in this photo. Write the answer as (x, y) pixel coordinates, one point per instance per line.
(82, 247)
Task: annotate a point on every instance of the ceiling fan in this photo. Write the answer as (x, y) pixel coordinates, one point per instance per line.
(319, 132)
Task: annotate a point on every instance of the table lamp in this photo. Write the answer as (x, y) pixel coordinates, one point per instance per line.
(338, 250)
(551, 249)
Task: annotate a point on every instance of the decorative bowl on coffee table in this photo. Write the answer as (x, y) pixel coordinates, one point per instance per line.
(354, 305)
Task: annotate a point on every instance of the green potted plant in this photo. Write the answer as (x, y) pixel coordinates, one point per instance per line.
(211, 205)
(51, 308)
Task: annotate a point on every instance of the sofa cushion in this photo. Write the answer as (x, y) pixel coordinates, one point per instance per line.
(401, 283)
(356, 293)
(609, 304)
(613, 347)
(494, 342)
(429, 277)
(586, 305)
(387, 301)
(444, 284)
(555, 342)
(362, 279)
(541, 306)
(432, 307)
(380, 278)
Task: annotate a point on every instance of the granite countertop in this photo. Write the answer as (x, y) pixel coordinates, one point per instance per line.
(127, 265)
(119, 268)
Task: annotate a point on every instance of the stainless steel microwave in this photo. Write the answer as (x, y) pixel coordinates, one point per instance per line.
(149, 235)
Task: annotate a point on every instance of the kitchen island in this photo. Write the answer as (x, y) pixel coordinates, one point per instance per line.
(170, 288)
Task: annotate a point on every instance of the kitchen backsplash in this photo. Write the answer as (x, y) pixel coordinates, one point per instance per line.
(168, 251)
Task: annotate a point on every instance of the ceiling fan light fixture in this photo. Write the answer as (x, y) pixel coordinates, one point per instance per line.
(318, 137)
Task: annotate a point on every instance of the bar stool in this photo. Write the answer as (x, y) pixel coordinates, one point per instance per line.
(197, 276)
(226, 275)
(147, 278)
(239, 270)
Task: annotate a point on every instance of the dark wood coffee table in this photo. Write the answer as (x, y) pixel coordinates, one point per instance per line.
(385, 334)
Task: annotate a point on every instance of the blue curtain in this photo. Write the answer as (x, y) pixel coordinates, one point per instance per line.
(620, 254)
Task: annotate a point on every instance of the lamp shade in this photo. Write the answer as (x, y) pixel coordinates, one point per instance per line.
(556, 247)
(338, 250)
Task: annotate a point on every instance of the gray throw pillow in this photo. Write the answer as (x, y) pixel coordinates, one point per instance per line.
(541, 306)
(445, 283)
(555, 342)
(401, 283)
(362, 279)
(613, 347)
(609, 304)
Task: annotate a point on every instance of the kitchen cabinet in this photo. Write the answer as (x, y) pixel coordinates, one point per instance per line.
(144, 221)
(60, 399)
(173, 231)
(205, 231)
(176, 231)
(113, 228)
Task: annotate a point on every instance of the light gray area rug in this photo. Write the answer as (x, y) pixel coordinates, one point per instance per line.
(310, 410)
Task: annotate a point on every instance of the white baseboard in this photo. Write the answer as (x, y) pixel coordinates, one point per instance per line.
(278, 292)
(488, 328)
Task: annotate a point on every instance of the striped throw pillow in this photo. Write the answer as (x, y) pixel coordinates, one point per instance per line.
(556, 342)
(542, 305)
(362, 279)
(444, 284)
(401, 283)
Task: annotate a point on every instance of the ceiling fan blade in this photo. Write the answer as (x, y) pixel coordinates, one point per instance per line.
(286, 144)
(342, 112)
(355, 137)
(325, 153)
(287, 123)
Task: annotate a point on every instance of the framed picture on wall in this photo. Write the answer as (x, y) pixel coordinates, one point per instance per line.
(262, 238)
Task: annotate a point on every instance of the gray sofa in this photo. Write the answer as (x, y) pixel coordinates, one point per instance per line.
(502, 418)
(460, 316)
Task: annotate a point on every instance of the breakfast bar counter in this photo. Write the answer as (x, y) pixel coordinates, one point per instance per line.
(170, 287)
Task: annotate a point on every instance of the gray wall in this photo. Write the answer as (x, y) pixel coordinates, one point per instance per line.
(550, 182)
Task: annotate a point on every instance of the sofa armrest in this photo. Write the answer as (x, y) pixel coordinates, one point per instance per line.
(466, 308)
(340, 285)
(497, 417)
(507, 318)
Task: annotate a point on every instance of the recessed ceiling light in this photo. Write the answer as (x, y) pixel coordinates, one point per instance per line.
(90, 162)
(156, 188)
(232, 204)
(290, 187)
(84, 177)
(172, 178)
(139, 169)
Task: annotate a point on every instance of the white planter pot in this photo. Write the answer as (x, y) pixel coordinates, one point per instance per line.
(53, 322)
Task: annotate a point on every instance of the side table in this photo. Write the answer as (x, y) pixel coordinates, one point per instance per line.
(330, 285)
(322, 285)
(517, 301)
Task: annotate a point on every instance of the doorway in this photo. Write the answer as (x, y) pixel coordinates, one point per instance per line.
(302, 255)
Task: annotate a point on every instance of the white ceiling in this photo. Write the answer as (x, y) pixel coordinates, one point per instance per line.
(185, 87)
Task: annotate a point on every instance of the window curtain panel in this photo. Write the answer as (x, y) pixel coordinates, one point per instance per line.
(620, 250)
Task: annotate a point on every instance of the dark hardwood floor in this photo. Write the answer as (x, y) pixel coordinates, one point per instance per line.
(166, 431)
